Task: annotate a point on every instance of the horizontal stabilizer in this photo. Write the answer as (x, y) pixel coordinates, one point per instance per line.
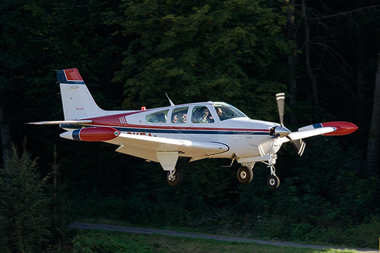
(58, 122)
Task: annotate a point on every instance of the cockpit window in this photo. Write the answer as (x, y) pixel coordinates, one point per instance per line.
(201, 114)
(157, 117)
(226, 111)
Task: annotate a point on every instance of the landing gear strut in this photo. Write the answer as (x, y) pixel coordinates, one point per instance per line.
(174, 177)
(244, 175)
(273, 181)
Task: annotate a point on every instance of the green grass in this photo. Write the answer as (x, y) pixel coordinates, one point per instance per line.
(357, 237)
(102, 241)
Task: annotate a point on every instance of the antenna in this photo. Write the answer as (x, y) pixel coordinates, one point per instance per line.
(171, 103)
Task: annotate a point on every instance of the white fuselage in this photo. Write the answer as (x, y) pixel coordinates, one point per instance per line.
(243, 136)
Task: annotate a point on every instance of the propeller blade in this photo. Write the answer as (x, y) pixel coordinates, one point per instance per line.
(300, 146)
(280, 97)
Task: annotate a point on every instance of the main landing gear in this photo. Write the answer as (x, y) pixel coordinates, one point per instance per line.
(244, 175)
(174, 177)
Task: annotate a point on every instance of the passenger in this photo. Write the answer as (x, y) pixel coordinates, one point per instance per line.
(181, 117)
(175, 118)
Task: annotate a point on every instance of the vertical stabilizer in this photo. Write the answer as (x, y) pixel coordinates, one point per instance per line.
(77, 101)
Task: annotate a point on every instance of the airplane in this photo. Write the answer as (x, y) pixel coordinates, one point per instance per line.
(195, 130)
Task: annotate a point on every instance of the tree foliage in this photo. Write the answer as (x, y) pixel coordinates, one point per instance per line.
(198, 51)
(24, 213)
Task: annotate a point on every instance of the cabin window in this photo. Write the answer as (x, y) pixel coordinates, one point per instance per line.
(179, 115)
(157, 117)
(201, 114)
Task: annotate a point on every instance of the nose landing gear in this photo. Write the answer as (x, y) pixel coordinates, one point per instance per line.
(273, 181)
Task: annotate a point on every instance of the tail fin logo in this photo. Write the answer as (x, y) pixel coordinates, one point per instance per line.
(70, 76)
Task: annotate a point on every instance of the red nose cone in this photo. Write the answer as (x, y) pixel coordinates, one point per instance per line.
(342, 128)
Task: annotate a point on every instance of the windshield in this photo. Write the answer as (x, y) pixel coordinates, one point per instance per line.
(226, 111)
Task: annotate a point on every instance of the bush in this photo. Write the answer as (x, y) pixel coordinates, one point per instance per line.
(24, 215)
(366, 234)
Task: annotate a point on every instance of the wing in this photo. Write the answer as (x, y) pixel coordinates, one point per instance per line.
(336, 128)
(146, 147)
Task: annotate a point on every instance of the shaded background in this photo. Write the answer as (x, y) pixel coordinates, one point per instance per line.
(324, 55)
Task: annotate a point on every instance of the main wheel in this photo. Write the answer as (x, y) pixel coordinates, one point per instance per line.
(273, 181)
(176, 179)
(244, 175)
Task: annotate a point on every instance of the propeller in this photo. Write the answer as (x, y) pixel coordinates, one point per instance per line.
(280, 97)
(282, 131)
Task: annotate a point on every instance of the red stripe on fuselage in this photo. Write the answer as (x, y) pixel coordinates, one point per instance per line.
(112, 120)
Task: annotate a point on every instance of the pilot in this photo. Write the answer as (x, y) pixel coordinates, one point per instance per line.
(206, 117)
(219, 111)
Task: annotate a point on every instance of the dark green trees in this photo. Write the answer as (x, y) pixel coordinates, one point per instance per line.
(198, 51)
(24, 206)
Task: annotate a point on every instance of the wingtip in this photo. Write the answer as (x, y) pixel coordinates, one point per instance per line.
(341, 128)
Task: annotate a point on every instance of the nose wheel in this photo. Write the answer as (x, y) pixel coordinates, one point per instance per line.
(174, 177)
(273, 181)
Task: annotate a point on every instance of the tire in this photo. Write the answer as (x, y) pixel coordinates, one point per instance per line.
(273, 182)
(244, 175)
(177, 178)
